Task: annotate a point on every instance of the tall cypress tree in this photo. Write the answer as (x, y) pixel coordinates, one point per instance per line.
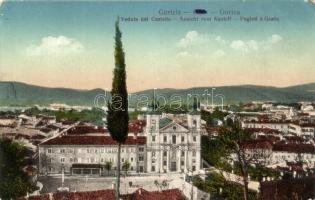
(117, 117)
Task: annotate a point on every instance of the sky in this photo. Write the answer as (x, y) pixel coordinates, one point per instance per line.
(71, 44)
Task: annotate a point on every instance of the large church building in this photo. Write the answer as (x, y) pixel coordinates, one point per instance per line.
(162, 143)
(173, 143)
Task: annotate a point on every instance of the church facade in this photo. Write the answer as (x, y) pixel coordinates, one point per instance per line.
(173, 143)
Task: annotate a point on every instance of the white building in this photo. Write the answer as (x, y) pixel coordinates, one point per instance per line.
(297, 129)
(166, 144)
(173, 143)
(77, 154)
(282, 126)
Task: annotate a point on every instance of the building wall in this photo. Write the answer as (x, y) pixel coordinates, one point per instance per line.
(283, 127)
(184, 150)
(282, 156)
(52, 159)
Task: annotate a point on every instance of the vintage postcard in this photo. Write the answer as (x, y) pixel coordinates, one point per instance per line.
(151, 100)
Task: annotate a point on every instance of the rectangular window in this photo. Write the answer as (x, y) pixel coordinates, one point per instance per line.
(62, 150)
(182, 153)
(153, 138)
(141, 149)
(183, 139)
(62, 160)
(131, 159)
(164, 153)
(141, 158)
(49, 150)
(174, 139)
(165, 138)
(164, 162)
(153, 168)
(194, 138)
(182, 163)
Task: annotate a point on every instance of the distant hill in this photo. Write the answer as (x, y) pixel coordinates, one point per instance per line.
(17, 93)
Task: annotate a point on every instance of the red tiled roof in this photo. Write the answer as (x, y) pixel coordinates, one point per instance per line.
(257, 144)
(84, 129)
(268, 122)
(136, 126)
(261, 130)
(92, 140)
(97, 195)
(271, 138)
(294, 148)
(141, 194)
(90, 195)
(302, 188)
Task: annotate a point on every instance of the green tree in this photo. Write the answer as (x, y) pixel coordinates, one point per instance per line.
(108, 166)
(220, 188)
(14, 182)
(117, 117)
(231, 139)
(126, 166)
(214, 152)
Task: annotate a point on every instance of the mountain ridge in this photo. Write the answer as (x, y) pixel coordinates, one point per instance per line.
(19, 93)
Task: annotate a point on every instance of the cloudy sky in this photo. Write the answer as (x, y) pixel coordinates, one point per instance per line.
(70, 44)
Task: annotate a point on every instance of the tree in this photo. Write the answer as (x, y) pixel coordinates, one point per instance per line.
(108, 166)
(232, 138)
(117, 117)
(126, 166)
(245, 151)
(14, 182)
(220, 188)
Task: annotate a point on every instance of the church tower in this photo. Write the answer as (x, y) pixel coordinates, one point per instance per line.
(194, 118)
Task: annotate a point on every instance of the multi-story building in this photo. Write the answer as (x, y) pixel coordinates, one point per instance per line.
(77, 154)
(282, 126)
(173, 143)
(301, 129)
(166, 144)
